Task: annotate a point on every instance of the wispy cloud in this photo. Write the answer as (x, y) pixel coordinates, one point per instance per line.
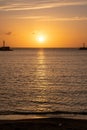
(31, 17)
(8, 33)
(5, 33)
(36, 5)
(49, 18)
(68, 19)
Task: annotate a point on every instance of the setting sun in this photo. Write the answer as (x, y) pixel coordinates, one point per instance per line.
(41, 39)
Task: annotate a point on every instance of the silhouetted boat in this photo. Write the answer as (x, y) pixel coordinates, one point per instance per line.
(84, 47)
(5, 48)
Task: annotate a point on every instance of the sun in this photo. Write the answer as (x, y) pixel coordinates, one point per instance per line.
(41, 39)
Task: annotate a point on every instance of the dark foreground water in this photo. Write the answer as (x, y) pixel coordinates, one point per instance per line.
(49, 81)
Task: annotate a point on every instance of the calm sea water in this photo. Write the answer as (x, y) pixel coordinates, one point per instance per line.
(43, 81)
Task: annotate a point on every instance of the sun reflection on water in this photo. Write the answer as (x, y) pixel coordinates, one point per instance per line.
(41, 97)
(41, 68)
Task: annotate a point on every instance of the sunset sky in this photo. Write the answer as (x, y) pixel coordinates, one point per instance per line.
(43, 23)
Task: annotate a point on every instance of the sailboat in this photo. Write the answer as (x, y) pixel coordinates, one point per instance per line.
(84, 47)
(5, 48)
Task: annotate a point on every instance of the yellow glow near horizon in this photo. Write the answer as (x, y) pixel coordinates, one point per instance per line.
(41, 38)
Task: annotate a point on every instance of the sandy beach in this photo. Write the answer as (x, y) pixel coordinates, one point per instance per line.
(44, 124)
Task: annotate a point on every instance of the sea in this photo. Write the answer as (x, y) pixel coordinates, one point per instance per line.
(43, 82)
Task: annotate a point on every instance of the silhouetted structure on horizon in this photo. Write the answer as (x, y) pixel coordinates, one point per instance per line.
(84, 47)
(5, 48)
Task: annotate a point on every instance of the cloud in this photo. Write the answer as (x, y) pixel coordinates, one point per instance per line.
(36, 5)
(31, 17)
(67, 19)
(8, 33)
(49, 18)
(5, 33)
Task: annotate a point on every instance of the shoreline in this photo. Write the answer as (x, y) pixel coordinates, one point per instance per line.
(44, 124)
(37, 115)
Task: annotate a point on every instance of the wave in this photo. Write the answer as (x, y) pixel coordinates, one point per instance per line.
(41, 113)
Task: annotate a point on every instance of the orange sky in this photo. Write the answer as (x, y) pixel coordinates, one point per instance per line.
(62, 23)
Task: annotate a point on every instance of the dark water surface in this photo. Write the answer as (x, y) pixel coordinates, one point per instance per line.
(43, 80)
